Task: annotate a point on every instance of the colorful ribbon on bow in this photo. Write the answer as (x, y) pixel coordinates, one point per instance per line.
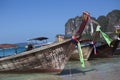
(105, 36)
(75, 41)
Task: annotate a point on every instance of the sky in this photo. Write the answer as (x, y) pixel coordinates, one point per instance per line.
(21, 20)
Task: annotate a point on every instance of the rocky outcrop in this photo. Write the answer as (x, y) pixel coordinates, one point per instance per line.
(107, 23)
(110, 20)
(72, 26)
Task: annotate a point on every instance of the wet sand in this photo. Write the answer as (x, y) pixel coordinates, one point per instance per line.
(97, 69)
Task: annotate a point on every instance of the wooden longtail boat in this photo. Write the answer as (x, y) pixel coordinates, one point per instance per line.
(103, 51)
(106, 51)
(49, 58)
(87, 49)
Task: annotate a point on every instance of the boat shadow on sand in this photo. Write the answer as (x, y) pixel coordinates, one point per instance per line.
(75, 71)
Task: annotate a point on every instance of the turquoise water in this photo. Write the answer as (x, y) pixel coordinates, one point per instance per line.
(11, 51)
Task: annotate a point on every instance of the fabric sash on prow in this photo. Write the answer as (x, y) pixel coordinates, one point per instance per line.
(85, 19)
(105, 36)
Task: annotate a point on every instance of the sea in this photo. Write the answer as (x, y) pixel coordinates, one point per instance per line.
(11, 51)
(15, 50)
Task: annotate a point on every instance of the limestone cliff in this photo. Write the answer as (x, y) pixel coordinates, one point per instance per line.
(107, 23)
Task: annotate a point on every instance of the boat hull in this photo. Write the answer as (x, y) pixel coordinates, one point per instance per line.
(50, 58)
(102, 51)
(87, 48)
